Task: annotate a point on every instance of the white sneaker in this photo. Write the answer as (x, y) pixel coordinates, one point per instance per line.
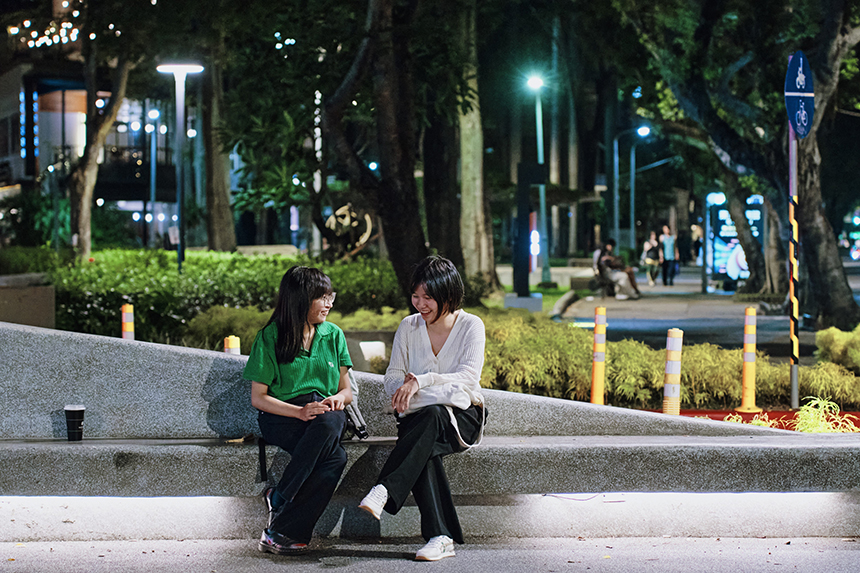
(621, 297)
(374, 501)
(437, 548)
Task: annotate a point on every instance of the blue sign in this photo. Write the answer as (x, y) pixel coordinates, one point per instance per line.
(799, 94)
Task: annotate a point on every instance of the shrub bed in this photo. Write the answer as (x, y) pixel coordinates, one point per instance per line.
(90, 295)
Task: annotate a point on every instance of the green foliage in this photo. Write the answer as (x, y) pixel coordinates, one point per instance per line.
(527, 353)
(758, 420)
(17, 260)
(532, 354)
(209, 328)
(90, 295)
(839, 347)
(820, 415)
(386, 318)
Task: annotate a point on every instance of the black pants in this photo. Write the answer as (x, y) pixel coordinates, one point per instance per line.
(316, 462)
(415, 465)
(668, 272)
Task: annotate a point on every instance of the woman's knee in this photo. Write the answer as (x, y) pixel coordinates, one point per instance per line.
(330, 423)
(432, 412)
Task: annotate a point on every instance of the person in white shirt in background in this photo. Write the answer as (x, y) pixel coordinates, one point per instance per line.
(440, 345)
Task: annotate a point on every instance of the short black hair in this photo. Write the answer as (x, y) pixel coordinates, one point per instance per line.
(610, 242)
(441, 282)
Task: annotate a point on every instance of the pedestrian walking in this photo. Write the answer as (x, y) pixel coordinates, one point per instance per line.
(650, 259)
(668, 255)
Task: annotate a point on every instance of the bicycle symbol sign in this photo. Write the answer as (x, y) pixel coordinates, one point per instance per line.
(799, 94)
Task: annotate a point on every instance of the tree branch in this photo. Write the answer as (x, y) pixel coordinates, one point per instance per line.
(333, 109)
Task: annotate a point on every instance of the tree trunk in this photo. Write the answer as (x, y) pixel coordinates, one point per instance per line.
(477, 243)
(394, 97)
(221, 230)
(440, 184)
(833, 296)
(736, 199)
(554, 115)
(774, 254)
(82, 179)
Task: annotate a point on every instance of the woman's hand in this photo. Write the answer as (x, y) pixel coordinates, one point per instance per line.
(335, 402)
(313, 409)
(401, 398)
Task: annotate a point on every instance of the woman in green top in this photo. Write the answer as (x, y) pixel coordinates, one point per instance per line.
(299, 372)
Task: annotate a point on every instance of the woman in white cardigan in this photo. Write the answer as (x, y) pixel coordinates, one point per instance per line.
(439, 350)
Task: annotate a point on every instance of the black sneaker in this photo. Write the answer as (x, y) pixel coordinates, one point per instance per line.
(280, 545)
(267, 497)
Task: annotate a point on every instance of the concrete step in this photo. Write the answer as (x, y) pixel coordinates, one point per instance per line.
(500, 466)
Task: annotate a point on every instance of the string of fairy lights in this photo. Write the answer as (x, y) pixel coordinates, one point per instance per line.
(65, 29)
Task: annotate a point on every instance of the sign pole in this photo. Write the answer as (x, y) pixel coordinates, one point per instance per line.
(800, 107)
(792, 255)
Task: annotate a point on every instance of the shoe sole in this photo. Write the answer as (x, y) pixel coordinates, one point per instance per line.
(443, 556)
(264, 548)
(370, 511)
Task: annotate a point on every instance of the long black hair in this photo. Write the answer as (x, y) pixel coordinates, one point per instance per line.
(441, 281)
(299, 288)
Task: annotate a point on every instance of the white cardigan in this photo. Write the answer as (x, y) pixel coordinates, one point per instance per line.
(461, 358)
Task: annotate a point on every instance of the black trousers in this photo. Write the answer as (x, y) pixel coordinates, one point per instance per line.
(316, 462)
(668, 272)
(415, 465)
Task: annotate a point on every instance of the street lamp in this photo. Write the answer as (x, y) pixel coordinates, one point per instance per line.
(642, 131)
(152, 130)
(536, 83)
(179, 72)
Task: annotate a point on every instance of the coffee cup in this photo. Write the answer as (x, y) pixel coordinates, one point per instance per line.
(75, 422)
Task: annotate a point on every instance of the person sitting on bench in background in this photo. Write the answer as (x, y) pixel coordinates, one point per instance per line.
(614, 269)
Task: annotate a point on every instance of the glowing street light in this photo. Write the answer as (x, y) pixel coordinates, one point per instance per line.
(535, 84)
(641, 131)
(179, 72)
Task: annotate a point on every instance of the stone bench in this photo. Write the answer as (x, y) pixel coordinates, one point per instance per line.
(162, 424)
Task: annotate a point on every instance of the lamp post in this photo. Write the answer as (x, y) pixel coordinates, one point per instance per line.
(641, 132)
(152, 130)
(535, 83)
(616, 228)
(179, 72)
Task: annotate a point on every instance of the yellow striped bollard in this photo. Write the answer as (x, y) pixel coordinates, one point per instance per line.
(128, 321)
(598, 365)
(231, 345)
(672, 378)
(748, 374)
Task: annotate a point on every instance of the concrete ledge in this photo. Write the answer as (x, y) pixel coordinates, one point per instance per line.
(501, 466)
(136, 389)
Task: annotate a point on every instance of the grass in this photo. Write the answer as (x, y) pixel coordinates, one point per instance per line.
(550, 297)
(817, 416)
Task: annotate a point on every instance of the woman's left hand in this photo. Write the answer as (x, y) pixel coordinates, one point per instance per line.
(401, 398)
(335, 402)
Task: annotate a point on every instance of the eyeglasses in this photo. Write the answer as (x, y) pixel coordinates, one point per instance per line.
(329, 298)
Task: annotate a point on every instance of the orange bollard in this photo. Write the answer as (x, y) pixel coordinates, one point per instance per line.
(128, 321)
(598, 364)
(231, 345)
(748, 374)
(672, 377)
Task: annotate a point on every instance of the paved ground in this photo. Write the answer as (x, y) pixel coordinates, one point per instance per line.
(663, 555)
